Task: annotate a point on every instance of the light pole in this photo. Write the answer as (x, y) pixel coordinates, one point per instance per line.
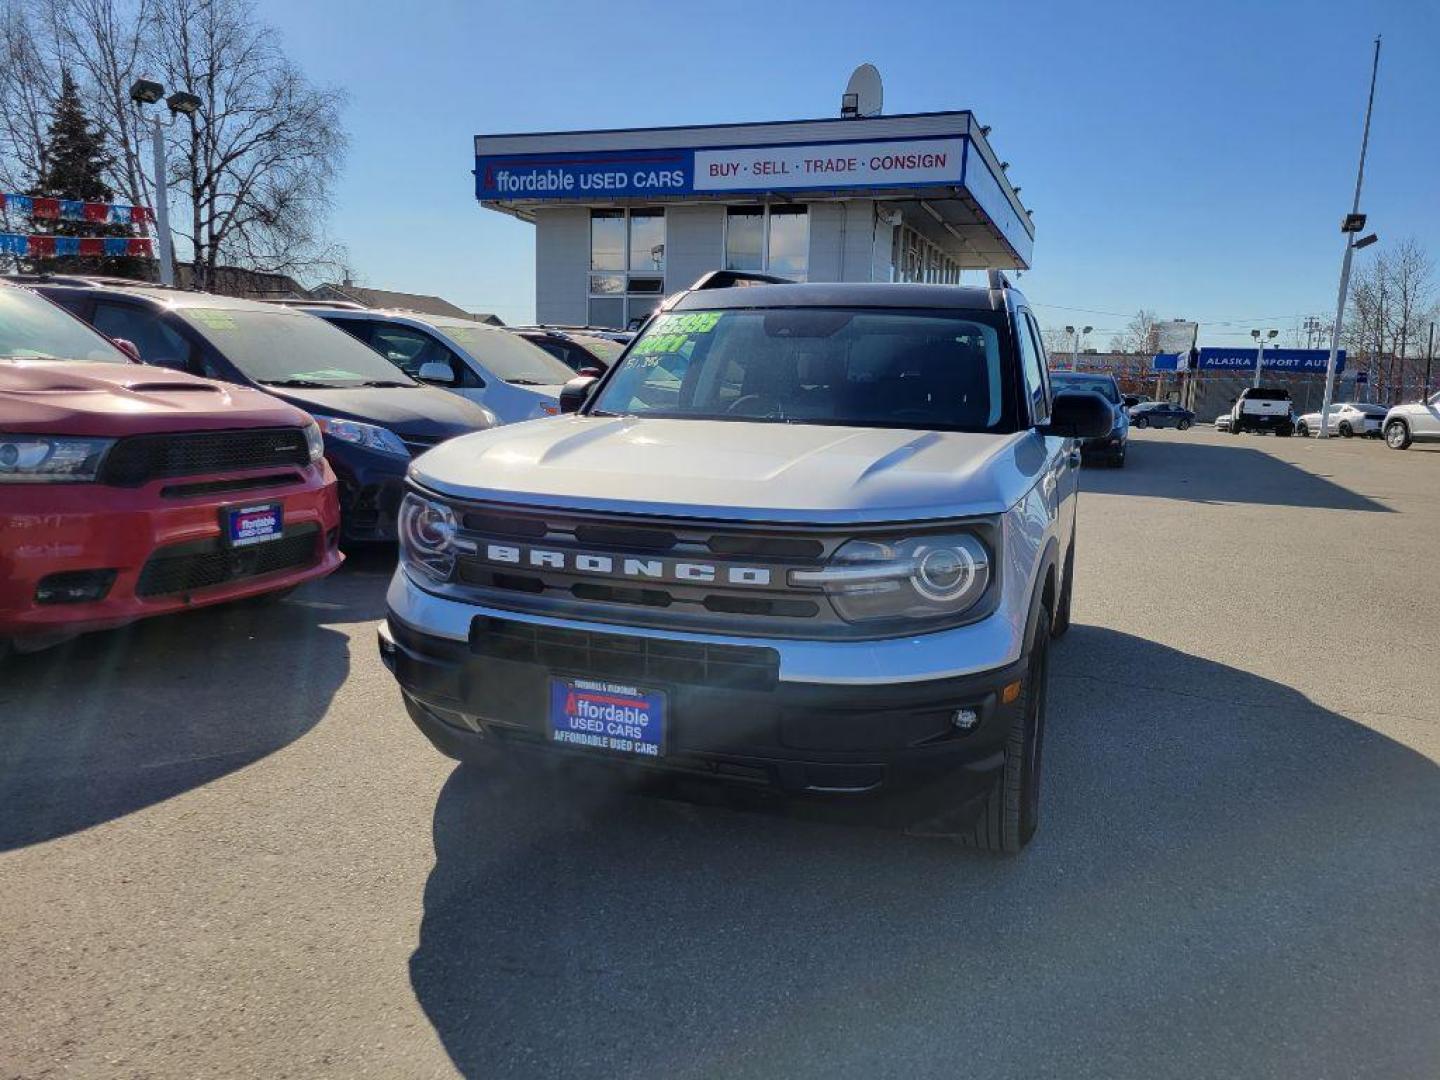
(1075, 337)
(1270, 335)
(146, 92)
(1354, 222)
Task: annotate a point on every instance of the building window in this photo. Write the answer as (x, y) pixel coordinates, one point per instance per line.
(627, 263)
(769, 240)
(916, 259)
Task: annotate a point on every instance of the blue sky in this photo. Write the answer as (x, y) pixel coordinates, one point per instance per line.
(1190, 158)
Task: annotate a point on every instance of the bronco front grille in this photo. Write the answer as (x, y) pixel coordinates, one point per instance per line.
(141, 458)
(643, 571)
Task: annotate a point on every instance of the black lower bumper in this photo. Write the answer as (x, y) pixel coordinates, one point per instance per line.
(1111, 446)
(729, 717)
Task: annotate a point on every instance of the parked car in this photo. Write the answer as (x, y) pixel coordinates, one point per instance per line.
(1131, 400)
(128, 491)
(1222, 422)
(513, 378)
(374, 417)
(1159, 414)
(1263, 408)
(1405, 424)
(828, 558)
(583, 353)
(1112, 446)
(1348, 419)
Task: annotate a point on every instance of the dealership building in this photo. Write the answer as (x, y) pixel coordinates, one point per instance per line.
(623, 217)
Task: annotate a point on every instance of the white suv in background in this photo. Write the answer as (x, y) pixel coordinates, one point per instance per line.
(511, 377)
(1406, 423)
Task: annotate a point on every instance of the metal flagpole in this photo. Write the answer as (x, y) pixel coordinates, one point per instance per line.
(1324, 432)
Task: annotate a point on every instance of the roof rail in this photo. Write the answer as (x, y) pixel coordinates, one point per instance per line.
(307, 302)
(731, 279)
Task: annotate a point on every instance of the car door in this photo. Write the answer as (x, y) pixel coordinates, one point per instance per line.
(1060, 473)
(1426, 419)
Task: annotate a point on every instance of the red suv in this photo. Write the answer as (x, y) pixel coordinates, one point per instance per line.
(128, 491)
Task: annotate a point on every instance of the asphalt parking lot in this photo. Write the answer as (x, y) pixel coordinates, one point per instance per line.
(224, 851)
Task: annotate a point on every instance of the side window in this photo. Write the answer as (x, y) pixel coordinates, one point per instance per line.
(359, 329)
(410, 349)
(1033, 367)
(158, 343)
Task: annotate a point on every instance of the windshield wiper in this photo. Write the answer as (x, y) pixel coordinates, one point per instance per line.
(386, 383)
(526, 382)
(298, 383)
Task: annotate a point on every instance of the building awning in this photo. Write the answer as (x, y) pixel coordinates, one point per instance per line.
(936, 169)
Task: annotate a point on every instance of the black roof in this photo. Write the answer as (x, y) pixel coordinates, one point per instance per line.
(843, 294)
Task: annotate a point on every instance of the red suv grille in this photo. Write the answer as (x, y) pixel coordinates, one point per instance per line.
(142, 458)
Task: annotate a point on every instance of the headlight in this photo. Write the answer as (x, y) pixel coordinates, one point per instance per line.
(427, 537)
(50, 459)
(314, 442)
(922, 577)
(370, 436)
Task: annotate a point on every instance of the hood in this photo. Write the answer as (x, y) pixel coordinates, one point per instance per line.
(737, 471)
(411, 410)
(113, 400)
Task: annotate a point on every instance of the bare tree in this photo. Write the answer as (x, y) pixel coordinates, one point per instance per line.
(29, 84)
(1141, 335)
(256, 164)
(1412, 286)
(1057, 341)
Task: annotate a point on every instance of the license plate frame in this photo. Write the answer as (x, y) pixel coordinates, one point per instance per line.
(251, 524)
(608, 717)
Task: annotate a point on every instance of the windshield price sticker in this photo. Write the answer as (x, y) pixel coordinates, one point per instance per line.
(212, 318)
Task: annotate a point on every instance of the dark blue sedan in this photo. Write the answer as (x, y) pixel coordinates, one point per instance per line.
(1161, 414)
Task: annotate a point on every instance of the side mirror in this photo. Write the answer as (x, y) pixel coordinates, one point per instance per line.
(1079, 414)
(127, 346)
(437, 373)
(590, 371)
(576, 392)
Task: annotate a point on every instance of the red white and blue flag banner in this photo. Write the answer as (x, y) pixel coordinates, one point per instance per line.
(76, 210)
(46, 246)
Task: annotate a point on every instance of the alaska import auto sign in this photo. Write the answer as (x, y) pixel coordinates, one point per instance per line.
(1242, 358)
(790, 167)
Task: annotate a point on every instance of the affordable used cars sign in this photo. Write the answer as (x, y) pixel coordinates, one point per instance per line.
(643, 173)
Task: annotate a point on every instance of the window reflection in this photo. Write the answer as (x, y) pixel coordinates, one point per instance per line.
(607, 240)
(647, 241)
(745, 238)
(789, 242)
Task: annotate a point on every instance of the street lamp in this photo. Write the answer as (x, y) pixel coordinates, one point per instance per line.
(1270, 335)
(1075, 337)
(146, 92)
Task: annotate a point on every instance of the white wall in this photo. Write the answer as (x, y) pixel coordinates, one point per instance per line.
(847, 243)
(562, 264)
(694, 243)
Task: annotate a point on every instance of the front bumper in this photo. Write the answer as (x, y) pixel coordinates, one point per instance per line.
(1110, 446)
(371, 487)
(146, 541)
(733, 714)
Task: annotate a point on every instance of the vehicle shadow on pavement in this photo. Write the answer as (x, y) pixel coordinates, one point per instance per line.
(1229, 881)
(113, 722)
(1204, 472)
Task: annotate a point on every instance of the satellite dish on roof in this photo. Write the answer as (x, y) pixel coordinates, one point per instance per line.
(864, 94)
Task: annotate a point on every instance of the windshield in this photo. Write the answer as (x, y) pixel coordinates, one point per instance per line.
(31, 327)
(858, 367)
(604, 348)
(284, 348)
(1104, 387)
(510, 357)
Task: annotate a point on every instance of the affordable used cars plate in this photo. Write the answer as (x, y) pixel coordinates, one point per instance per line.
(607, 716)
(246, 525)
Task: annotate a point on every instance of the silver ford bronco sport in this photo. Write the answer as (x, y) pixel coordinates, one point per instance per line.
(811, 537)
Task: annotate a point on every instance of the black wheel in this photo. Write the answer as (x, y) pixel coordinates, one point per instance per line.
(1062, 609)
(1397, 435)
(1285, 432)
(1346, 430)
(1183, 425)
(1302, 429)
(1011, 810)
(1140, 422)
(1236, 429)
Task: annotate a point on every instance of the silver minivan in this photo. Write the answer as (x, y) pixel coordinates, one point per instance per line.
(511, 377)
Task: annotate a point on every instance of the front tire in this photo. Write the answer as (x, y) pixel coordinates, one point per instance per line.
(1346, 430)
(1140, 422)
(1010, 812)
(1183, 425)
(1397, 435)
(1302, 429)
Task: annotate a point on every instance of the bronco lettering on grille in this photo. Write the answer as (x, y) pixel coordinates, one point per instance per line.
(643, 569)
